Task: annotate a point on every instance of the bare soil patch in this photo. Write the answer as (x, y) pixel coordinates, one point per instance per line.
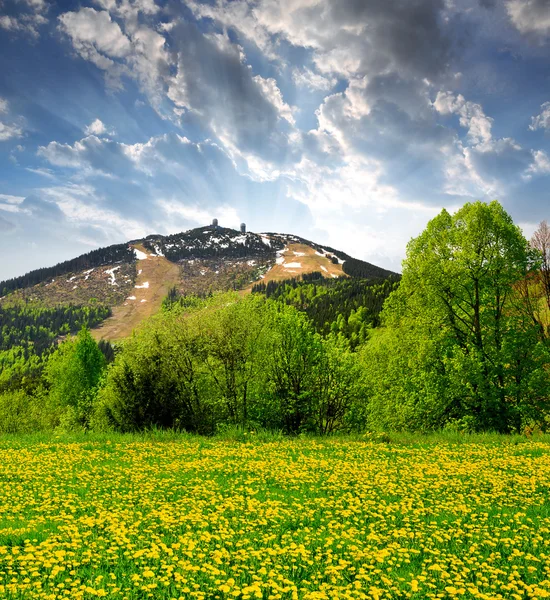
(155, 276)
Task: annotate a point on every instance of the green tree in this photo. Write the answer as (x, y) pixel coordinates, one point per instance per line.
(73, 373)
(294, 352)
(232, 351)
(472, 350)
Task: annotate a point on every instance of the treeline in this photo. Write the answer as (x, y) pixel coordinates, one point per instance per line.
(360, 268)
(466, 336)
(350, 307)
(95, 258)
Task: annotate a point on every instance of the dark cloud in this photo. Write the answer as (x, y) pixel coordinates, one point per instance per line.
(219, 89)
(409, 35)
(531, 17)
(504, 163)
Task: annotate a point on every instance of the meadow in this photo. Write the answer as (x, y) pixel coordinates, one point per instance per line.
(176, 516)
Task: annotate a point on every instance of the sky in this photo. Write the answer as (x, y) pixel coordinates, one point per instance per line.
(349, 122)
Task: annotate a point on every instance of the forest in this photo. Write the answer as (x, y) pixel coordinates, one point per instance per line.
(459, 342)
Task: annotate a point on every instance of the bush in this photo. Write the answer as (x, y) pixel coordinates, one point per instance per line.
(21, 413)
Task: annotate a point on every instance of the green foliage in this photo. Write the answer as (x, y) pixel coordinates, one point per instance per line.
(73, 374)
(228, 362)
(23, 413)
(345, 306)
(34, 326)
(461, 345)
(462, 349)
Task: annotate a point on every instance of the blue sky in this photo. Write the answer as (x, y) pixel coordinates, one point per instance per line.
(349, 122)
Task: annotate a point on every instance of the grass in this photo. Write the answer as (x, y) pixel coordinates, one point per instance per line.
(255, 515)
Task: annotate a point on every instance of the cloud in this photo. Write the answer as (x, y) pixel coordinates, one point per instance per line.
(541, 121)
(8, 131)
(80, 204)
(10, 203)
(346, 36)
(530, 16)
(27, 17)
(481, 165)
(540, 164)
(97, 127)
(137, 53)
(305, 77)
(215, 87)
(93, 29)
(471, 115)
(164, 185)
(100, 155)
(11, 199)
(43, 172)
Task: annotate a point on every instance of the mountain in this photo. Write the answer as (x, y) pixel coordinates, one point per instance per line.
(132, 279)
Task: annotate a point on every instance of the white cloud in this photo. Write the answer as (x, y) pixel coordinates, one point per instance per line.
(138, 52)
(530, 16)
(81, 204)
(346, 37)
(471, 116)
(43, 172)
(541, 121)
(227, 215)
(8, 132)
(10, 203)
(307, 78)
(97, 127)
(540, 164)
(90, 28)
(11, 199)
(9, 23)
(273, 94)
(28, 18)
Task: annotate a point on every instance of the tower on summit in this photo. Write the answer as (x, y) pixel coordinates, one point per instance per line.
(215, 223)
(243, 227)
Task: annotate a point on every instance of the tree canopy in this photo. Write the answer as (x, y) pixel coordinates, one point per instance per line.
(472, 351)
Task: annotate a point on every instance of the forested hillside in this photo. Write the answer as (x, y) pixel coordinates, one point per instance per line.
(37, 327)
(29, 334)
(96, 258)
(348, 306)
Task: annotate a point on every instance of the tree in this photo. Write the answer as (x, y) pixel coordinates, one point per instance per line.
(541, 242)
(73, 373)
(232, 342)
(294, 355)
(478, 350)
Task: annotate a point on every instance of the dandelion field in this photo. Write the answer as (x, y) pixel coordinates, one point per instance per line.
(186, 517)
